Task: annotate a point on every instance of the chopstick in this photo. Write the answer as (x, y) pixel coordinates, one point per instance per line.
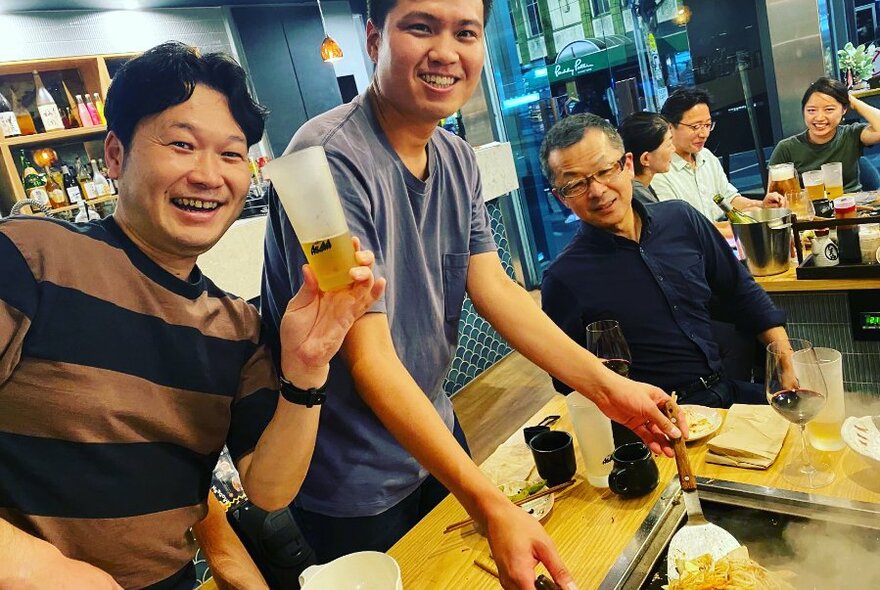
(461, 524)
(486, 567)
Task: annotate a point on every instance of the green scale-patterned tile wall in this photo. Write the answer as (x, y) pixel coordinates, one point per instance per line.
(824, 320)
(479, 345)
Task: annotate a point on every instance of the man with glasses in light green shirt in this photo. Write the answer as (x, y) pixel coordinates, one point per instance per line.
(695, 174)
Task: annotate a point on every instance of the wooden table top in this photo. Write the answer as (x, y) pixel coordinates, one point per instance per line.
(788, 282)
(590, 527)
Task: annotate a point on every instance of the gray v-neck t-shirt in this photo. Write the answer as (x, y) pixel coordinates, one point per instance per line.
(423, 234)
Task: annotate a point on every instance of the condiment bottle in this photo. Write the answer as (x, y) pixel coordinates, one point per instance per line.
(824, 250)
(847, 235)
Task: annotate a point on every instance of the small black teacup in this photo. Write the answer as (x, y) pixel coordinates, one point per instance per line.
(635, 473)
(553, 452)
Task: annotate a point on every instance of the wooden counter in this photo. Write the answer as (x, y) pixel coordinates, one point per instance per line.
(788, 282)
(590, 528)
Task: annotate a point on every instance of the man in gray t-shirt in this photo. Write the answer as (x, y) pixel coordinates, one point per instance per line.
(411, 193)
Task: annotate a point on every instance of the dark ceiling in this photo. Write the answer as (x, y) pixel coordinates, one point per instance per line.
(29, 5)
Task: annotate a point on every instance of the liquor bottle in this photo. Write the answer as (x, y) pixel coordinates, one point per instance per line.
(106, 174)
(57, 198)
(85, 118)
(8, 123)
(34, 185)
(46, 106)
(85, 180)
(99, 104)
(71, 187)
(102, 187)
(93, 112)
(72, 117)
(23, 117)
(86, 213)
(733, 214)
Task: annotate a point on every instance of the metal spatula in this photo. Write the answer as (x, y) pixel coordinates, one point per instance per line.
(698, 536)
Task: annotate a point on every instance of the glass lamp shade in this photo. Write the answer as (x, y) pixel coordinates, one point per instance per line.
(330, 49)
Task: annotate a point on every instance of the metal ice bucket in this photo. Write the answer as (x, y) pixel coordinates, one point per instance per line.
(766, 245)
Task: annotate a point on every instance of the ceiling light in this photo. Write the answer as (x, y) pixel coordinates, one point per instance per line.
(330, 49)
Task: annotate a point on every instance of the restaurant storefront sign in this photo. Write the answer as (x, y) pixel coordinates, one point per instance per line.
(586, 64)
(573, 68)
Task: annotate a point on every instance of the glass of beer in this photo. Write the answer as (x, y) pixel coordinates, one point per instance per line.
(833, 173)
(823, 431)
(814, 182)
(305, 186)
(801, 205)
(783, 180)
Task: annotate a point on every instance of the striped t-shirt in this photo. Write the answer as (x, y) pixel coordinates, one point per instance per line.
(119, 385)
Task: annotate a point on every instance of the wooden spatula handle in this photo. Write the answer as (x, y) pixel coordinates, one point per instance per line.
(685, 473)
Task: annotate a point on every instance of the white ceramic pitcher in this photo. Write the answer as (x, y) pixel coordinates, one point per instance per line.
(365, 570)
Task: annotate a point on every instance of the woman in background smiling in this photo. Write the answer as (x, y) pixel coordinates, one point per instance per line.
(827, 140)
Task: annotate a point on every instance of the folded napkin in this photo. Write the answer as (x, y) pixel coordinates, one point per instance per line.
(751, 437)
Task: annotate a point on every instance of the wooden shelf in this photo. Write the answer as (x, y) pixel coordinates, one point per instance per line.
(88, 201)
(92, 71)
(79, 133)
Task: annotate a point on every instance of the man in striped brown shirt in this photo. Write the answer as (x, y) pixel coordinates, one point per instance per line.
(124, 370)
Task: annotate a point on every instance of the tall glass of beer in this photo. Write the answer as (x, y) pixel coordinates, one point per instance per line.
(305, 186)
(783, 180)
(814, 182)
(823, 431)
(833, 172)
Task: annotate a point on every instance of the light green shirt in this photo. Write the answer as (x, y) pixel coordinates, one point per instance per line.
(696, 186)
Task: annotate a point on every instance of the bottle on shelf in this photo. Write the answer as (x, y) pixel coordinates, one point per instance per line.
(86, 213)
(87, 187)
(733, 214)
(73, 118)
(99, 105)
(22, 116)
(106, 174)
(102, 187)
(8, 123)
(34, 184)
(71, 187)
(93, 112)
(46, 106)
(85, 118)
(57, 198)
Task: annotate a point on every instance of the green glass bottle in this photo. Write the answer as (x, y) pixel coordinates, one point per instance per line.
(733, 214)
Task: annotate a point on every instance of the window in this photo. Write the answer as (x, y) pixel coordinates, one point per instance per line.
(600, 6)
(533, 18)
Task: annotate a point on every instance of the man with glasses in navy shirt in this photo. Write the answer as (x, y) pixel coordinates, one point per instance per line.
(653, 268)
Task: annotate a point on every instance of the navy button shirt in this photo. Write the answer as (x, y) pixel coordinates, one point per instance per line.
(659, 290)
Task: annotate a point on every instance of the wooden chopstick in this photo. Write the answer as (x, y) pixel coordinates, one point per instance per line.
(461, 524)
(486, 567)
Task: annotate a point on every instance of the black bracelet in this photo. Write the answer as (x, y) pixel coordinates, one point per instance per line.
(313, 396)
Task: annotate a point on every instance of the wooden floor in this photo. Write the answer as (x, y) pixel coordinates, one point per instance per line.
(497, 402)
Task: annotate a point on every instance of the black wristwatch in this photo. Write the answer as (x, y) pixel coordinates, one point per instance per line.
(304, 397)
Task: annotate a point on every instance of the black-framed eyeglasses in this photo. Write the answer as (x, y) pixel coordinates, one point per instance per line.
(580, 186)
(697, 127)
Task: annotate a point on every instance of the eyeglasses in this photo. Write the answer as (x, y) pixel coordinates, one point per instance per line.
(579, 187)
(697, 127)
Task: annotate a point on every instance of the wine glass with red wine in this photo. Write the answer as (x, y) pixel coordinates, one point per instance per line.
(796, 389)
(605, 340)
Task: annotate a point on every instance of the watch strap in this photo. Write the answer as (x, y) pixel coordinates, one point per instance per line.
(313, 396)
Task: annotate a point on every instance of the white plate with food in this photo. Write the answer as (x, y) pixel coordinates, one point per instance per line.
(702, 421)
(519, 490)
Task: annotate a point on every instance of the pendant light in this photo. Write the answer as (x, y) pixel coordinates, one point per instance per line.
(330, 49)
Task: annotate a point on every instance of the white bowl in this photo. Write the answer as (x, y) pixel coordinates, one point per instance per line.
(862, 436)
